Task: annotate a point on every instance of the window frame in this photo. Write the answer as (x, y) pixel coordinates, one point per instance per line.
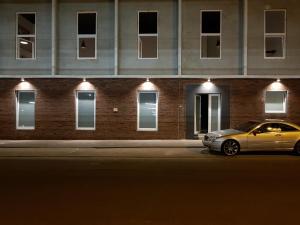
(148, 35)
(211, 34)
(87, 36)
(26, 36)
(138, 111)
(275, 35)
(76, 113)
(284, 103)
(17, 92)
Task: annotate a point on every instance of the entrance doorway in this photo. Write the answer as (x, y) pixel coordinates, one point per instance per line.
(207, 114)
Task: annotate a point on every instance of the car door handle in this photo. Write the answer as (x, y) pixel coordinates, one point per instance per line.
(278, 135)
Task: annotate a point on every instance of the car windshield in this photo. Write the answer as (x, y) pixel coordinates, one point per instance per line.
(246, 127)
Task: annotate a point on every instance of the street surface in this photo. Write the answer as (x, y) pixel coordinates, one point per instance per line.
(195, 189)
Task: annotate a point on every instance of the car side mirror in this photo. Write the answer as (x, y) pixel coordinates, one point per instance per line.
(255, 132)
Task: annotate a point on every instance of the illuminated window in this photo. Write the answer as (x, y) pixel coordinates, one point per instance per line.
(275, 33)
(275, 102)
(87, 35)
(25, 110)
(85, 110)
(26, 36)
(147, 111)
(148, 35)
(210, 35)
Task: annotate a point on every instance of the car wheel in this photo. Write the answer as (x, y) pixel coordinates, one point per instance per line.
(297, 148)
(230, 148)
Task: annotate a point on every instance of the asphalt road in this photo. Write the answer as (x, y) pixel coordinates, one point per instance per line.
(207, 190)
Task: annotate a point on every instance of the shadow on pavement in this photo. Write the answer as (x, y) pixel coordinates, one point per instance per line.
(268, 153)
(253, 153)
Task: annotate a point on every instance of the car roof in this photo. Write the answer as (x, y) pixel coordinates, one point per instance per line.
(280, 121)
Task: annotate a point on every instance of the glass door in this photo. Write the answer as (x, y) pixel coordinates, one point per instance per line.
(207, 114)
(214, 112)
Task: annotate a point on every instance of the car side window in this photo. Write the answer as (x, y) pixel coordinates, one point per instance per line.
(286, 128)
(269, 127)
(265, 128)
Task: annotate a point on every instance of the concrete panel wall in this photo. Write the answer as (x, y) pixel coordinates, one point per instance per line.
(67, 54)
(230, 63)
(166, 64)
(8, 62)
(257, 63)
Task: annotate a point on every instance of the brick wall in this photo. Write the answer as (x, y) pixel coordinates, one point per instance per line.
(55, 107)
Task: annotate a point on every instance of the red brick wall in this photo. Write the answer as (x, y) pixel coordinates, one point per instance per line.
(55, 107)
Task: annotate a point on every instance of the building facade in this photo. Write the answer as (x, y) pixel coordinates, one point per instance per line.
(150, 69)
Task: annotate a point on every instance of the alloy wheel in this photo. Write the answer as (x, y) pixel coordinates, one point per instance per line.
(231, 148)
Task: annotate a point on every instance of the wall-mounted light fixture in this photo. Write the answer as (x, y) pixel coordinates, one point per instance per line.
(84, 79)
(22, 79)
(24, 42)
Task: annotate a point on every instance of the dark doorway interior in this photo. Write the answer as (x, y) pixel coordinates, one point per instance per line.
(204, 114)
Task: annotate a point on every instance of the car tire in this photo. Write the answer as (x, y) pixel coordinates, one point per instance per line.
(230, 148)
(297, 148)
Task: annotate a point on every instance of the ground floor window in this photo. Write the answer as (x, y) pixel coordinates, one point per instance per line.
(85, 110)
(25, 110)
(147, 111)
(275, 102)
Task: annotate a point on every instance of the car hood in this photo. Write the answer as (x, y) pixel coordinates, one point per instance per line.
(223, 133)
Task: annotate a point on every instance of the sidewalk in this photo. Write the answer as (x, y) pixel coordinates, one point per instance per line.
(103, 148)
(101, 144)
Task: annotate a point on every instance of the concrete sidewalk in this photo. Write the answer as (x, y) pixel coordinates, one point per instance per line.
(102, 148)
(101, 144)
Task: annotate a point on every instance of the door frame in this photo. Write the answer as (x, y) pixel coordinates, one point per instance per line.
(195, 112)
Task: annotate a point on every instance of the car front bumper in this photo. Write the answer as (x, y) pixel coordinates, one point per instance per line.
(213, 145)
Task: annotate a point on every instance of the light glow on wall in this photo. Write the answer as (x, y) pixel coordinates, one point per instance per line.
(208, 84)
(147, 86)
(24, 85)
(85, 86)
(277, 86)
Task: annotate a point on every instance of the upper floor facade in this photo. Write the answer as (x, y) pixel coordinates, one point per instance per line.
(187, 38)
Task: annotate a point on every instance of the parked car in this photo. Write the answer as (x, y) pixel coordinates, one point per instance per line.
(270, 135)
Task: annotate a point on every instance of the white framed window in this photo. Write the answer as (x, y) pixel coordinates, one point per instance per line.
(26, 35)
(210, 34)
(275, 34)
(275, 101)
(85, 110)
(25, 110)
(147, 111)
(148, 35)
(86, 35)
